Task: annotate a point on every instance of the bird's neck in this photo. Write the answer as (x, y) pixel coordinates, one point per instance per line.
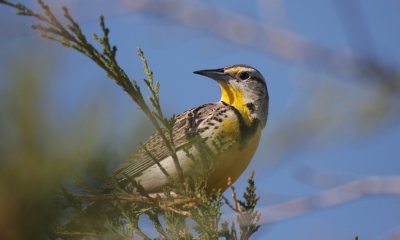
(252, 104)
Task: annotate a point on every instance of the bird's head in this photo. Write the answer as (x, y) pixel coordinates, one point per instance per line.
(244, 88)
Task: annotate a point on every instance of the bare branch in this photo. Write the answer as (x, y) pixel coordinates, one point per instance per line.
(351, 191)
(286, 45)
(356, 26)
(392, 235)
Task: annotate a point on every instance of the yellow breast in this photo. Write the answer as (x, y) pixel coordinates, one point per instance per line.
(233, 161)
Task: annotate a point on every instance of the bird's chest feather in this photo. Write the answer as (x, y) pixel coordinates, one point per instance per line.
(236, 149)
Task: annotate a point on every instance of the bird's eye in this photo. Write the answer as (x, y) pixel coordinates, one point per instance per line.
(244, 75)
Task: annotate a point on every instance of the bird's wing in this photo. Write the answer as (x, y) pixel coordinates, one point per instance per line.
(186, 123)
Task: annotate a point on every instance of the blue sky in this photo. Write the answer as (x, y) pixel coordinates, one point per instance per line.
(174, 51)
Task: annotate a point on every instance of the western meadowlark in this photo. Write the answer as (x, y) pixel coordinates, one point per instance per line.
(236, 121)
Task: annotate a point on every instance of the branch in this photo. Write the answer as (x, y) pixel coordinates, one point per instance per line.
(351, 191)
(236, 207)
(283, 44)
(71, 36)
(394, 234)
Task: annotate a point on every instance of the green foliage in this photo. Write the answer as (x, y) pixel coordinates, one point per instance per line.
(185, 210)
(248, 216)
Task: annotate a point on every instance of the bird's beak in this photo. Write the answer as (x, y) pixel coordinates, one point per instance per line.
(216, 74)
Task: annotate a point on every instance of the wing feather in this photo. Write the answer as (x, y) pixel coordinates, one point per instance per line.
(186, 122)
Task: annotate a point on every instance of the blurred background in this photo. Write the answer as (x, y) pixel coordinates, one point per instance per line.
(328, 165)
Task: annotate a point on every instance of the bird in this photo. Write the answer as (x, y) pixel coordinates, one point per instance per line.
(230, 127)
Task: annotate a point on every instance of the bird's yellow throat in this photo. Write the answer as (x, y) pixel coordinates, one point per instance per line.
(235, 97)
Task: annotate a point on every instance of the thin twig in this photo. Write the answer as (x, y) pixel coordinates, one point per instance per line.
(73, 37)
